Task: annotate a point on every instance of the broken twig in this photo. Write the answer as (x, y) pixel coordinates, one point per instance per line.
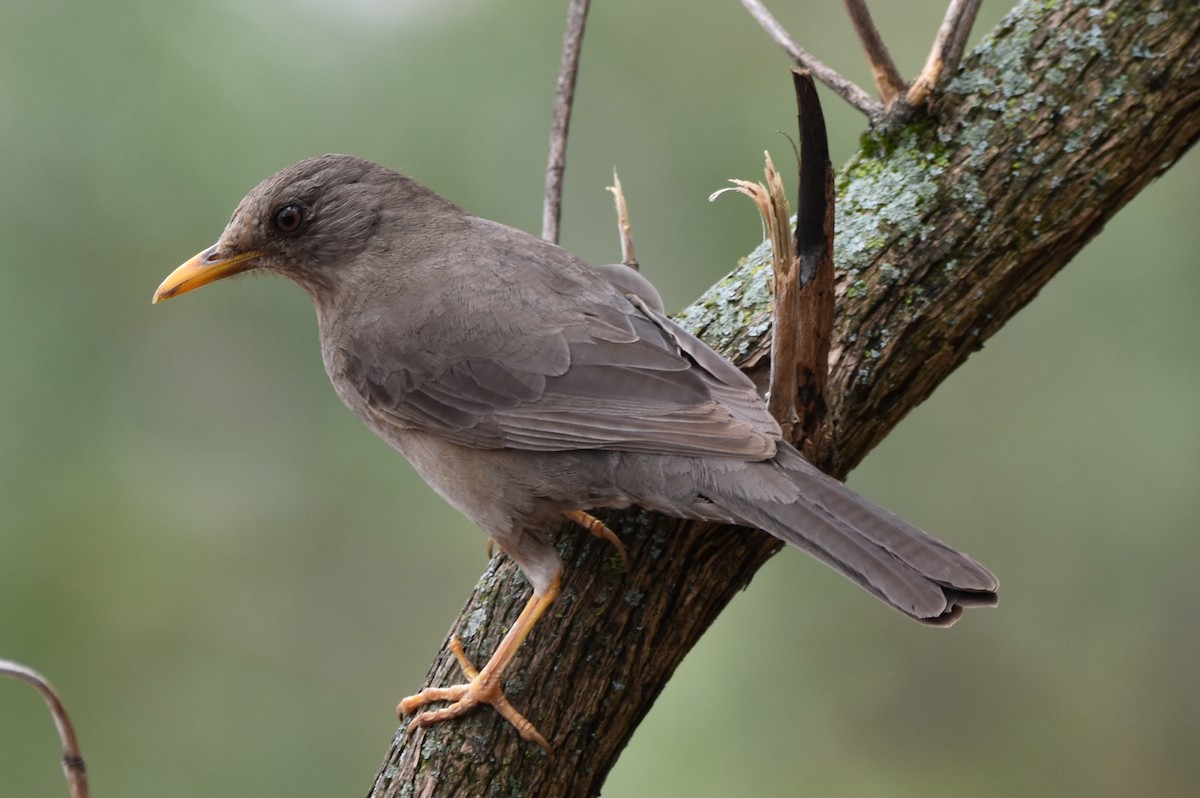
(802, 278)
(624, 228)
(814, 253)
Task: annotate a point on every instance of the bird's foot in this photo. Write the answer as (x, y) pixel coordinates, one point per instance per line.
(599, 529)
(483, 688)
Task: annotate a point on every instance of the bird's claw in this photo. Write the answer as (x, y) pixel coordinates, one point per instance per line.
(599, 529)
(483, 688)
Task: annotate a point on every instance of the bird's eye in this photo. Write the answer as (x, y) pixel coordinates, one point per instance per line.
(289, 218)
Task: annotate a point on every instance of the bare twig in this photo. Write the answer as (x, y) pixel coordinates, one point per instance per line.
(814, 254)
(844, 88)
(883, 68)
(564, 97)
(956, 44)
(72, 761)
(947, 51)
(624, 228)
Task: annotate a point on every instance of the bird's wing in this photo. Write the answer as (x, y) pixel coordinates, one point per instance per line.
(611, 374)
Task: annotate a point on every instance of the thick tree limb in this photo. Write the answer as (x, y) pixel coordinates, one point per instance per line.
(947, 226)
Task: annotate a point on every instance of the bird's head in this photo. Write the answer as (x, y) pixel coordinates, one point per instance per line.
(307, 222)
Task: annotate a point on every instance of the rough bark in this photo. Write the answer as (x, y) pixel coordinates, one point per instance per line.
(946, 227)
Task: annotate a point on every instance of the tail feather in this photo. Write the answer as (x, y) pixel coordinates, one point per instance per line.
(905, 567)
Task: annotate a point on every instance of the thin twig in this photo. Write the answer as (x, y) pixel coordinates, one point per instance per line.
(947, 50)
(72, 761)
(564, 98)
(844, 88)
(956, 45)
(883, 68)
(624, 228)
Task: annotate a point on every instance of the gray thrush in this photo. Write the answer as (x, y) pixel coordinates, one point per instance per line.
(525, 386)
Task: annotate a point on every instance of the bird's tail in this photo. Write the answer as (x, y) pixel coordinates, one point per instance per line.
(902, 565)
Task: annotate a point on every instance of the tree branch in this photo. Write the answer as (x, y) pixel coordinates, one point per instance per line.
(948, 47)
(883, 69)
(844, 88)
(947, 226)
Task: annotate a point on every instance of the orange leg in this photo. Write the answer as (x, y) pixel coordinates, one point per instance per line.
(599, 529)
(484, 685)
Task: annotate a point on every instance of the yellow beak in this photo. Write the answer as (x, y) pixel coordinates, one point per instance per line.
(204, 268)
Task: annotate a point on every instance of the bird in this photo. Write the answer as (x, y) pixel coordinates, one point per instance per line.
(526, 386)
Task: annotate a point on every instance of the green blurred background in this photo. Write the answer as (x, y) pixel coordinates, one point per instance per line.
(232, 582)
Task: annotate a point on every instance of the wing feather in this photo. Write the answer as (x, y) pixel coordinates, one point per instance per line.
(585, 367)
